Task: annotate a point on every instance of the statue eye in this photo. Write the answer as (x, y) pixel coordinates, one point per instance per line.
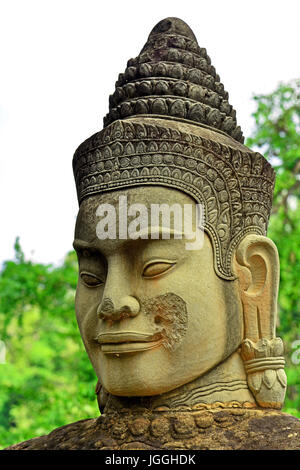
(156, 268)
(90, 280)
(86, 253)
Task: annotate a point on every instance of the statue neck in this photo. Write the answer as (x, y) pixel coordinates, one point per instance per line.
(226, 383)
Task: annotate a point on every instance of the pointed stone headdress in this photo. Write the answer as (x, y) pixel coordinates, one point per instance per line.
(173, 77)
(170, 124)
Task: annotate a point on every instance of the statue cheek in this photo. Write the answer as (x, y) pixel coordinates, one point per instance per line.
(86, 314)
(169, 316)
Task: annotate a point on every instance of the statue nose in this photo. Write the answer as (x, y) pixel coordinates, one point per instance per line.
(127, 306)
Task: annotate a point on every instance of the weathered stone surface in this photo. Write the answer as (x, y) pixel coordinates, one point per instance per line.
(173, 76)
(222, 429)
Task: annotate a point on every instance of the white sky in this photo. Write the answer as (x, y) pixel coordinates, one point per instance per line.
(59, 63)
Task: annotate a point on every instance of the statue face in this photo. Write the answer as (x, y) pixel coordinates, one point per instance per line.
(152, 314)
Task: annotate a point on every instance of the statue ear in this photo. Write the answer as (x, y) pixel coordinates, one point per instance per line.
(256, 265)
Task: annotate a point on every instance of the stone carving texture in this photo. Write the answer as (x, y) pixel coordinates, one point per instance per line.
(173, 76)
(235, 186)
(264, 364)
(218, 428)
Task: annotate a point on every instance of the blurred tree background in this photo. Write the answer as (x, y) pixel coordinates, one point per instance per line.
(277, 136)
(47, 380)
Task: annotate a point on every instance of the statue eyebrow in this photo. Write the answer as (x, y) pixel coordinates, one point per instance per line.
(80, 245)
(155, 232)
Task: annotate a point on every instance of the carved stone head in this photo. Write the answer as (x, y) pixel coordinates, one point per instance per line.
(185, 326)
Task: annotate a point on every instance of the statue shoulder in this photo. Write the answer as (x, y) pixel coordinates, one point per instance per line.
(68, 437)
(209, 429)
(272, 430)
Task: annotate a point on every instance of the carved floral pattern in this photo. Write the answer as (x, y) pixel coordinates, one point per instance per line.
(264, 364)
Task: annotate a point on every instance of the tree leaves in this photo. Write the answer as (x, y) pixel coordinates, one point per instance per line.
(47, 380)
(277, 136)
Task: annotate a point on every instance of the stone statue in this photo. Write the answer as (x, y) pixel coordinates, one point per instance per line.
(182, 341)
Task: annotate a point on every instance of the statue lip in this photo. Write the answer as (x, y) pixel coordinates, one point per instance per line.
(128, 341)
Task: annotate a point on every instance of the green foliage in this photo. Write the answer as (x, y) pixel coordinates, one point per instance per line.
(277, 136)
(47, 380)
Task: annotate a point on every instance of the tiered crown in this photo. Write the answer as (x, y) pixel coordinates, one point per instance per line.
(173, 76)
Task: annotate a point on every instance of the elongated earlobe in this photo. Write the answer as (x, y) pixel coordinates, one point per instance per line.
(257, 267)
(102, 396)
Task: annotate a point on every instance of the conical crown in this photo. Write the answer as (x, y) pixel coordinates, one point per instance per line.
(173, 77)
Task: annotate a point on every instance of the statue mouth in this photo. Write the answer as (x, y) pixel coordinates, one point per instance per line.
(128, 342)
